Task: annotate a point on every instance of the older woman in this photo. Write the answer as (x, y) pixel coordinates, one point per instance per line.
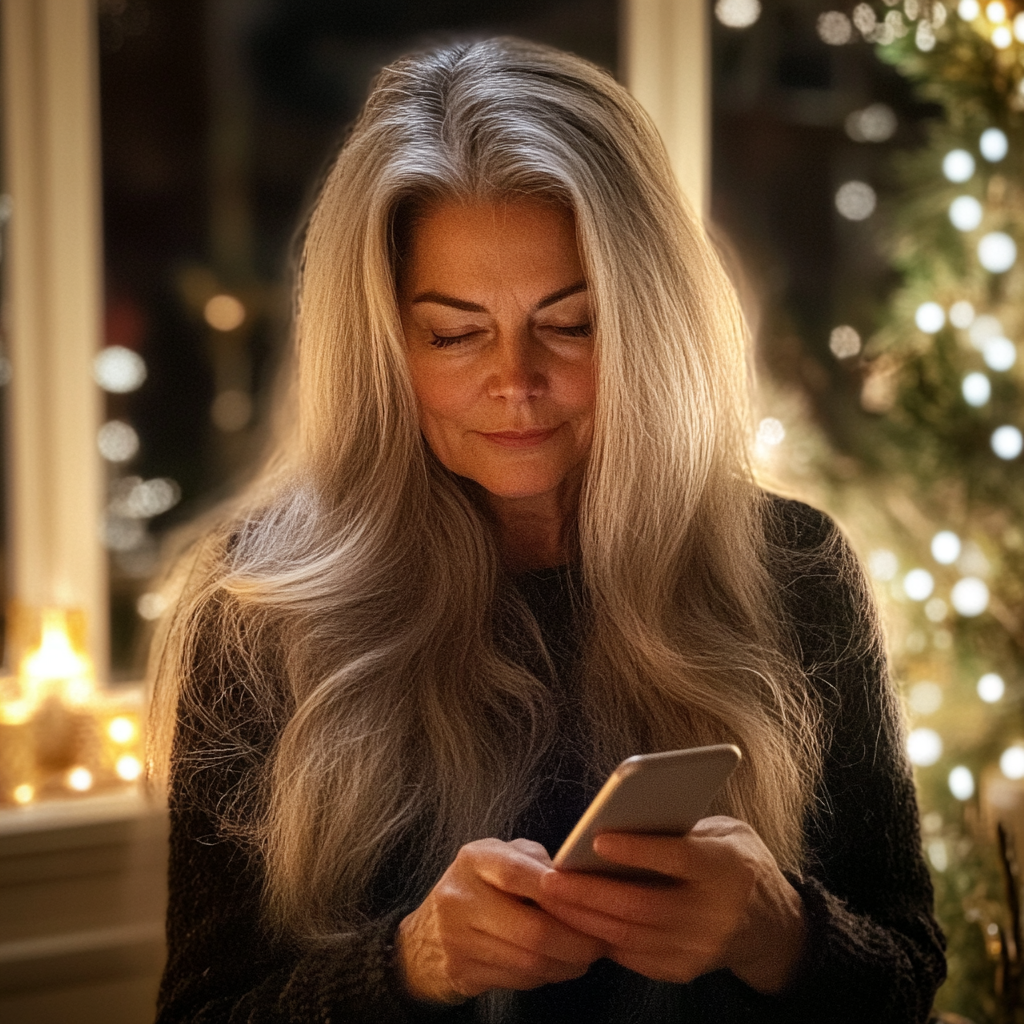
(508, 536)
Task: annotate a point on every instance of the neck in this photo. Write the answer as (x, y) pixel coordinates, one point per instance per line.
(534, 532)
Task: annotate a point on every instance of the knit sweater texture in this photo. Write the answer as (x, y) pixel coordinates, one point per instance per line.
(873, 953)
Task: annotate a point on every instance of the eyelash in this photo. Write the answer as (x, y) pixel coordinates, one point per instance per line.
(576, 331)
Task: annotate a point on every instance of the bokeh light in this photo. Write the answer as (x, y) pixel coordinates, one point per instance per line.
(961, 314)
(1011, 763)
(946, 547)
(876, 123)
(930, 317)
(999, 353)
(1007, 442)
(997, 252)
(834, 28)
(961, 782)
(958, 165)
(991, 687)
(738, 13)
(993, 144)
(856, 200)
(924, 747)
(844, 342)
(969, 596)
(224, 313)
(965, 213)
(119, 370)
(79, 779)
(925, 698)
(918, 584)
(117, 441)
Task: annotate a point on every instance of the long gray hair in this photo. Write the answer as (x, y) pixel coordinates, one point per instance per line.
(348, 608)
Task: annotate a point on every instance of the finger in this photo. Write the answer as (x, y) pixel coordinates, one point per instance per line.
(637, 902)
(533, 929)
(668, 855)
(532, 966)
(532, 849)
(504, 866)
(612, 932)
(494, 964)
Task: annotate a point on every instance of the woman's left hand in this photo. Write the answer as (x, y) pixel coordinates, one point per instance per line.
(728, 905)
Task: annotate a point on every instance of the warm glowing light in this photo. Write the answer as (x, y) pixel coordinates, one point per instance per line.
(995, 12)
(965, 213)
(958, 165)
(151, 605)
(834, 28)
(128, 768)
(1002, 37)
(1018, 27)
(856, 200)
(968, 9)
(23, 794)
(946, 547)
(999, 353)
(930, 317)
(925, 698)
(970, 596)
(55, 665)
(976, 389)
(876, 123)
(16, 712)
(224, 313)
(961, 782)
(121, 729)
(961, 314)
(924, 747)
(1011, 764)
(738, 13)
(770, 431)
(997, 252)
(118, 369)
(1007, 442)
(918, 584)
(844, 341)
(883, 564)
(991, 688)
(80, 779)
(984, 327)
(117, 441)
(993, 144)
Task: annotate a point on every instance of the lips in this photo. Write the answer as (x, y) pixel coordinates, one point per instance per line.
(519, 438)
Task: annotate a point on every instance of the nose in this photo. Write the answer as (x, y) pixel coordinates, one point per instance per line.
(517, 373)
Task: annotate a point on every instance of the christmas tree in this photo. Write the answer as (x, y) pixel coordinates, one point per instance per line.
(930, 477)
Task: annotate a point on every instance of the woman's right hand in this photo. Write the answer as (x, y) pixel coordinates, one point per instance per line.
(476, 931)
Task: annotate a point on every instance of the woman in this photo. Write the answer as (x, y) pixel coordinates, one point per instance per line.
(507, 538)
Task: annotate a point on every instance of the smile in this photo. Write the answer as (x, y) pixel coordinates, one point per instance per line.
(519, 438)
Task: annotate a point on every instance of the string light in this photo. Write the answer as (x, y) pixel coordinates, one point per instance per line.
(991, 688)
(946, 547)
(958, 165)
(924, 747)
(997, 252)
(961, 782)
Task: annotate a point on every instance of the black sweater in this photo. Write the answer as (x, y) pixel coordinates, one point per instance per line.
(874, 951)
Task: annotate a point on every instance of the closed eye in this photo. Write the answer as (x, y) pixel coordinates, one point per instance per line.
(444, 340)
(574, 330)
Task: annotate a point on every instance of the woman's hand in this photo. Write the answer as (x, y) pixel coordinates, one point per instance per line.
(475, 931)
(729, 906)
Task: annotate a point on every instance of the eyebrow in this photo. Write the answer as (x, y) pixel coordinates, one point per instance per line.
(440, 299)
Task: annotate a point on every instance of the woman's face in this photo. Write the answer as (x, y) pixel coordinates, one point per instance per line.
(497, 322)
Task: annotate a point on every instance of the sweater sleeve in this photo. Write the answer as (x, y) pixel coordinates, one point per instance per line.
(874, 950)
(225, 966)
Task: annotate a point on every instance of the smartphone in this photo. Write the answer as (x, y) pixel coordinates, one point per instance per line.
(658, 794)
